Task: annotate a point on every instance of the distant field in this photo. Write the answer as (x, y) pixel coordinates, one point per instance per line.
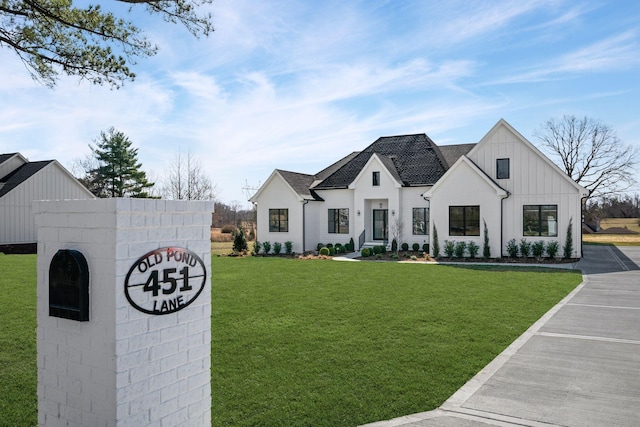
(616, 239)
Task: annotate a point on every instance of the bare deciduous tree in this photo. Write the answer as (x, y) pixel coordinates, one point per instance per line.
(185, 180)
(590, 153)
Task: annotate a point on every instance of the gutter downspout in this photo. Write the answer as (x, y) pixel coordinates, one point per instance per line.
(304, 228)
(502, 220)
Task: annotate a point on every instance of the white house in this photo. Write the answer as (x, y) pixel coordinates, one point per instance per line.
(22, 182)
(405, 186)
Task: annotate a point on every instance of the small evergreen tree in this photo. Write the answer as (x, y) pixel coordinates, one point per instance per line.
(239, 241)
(436, 245)
(486, 249)
(567, 249)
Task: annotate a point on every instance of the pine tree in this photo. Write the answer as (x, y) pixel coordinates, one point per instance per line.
(118, 172)
(486, 249)
(568, 246)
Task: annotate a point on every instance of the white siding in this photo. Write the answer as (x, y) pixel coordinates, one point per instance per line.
(17, 223)
(533, 180)
(317, 221)
(11, 164)
(411, 197)
(277, 194)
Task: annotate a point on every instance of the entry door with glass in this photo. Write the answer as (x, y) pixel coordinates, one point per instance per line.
(380, 226)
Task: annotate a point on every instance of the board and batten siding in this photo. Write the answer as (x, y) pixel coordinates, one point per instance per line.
(533, 180)
(17, 223)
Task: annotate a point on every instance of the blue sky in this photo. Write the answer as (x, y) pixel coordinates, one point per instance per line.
(297, 85)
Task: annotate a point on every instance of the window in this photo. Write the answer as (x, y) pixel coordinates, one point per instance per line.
(376, 179)
(420, 220)
(278, 220)
(502, 169)
(339, 221)
(540, 220)
(464, 220)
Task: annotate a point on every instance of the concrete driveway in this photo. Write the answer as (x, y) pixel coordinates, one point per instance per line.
(579, 365)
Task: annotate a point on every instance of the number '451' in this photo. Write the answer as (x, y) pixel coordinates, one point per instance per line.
(154, 285)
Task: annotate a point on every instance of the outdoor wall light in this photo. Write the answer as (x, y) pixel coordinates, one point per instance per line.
(358, 212)
(393, 212)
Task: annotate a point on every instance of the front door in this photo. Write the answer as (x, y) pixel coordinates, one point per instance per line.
(380, 229)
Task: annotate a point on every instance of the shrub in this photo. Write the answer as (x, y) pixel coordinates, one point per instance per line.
(394, 245)
(288, 247)
(436, 245)
(252, 234)
(239, 241)
(332, 250)
(227, 229)
(378, 256)
(538, 249)
(377, 250)
(414, 258)
(525, 248)
(449, 247)
(425, 247)
(486, 249)
(415, 247)
(338, 247)
(406, 255)
(277, 247)
(324, 251)
(365, 252)
(473, 249)
(394, 256)
(512, 248)
(459, 249)
(329, 245)
(567, 249)
(319, 246)
(383, 248)
(351, 245)
(266, 246)
(256, 247)
(552, 249)
(405, 246)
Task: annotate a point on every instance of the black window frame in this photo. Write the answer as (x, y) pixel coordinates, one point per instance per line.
(500, 171)
(425, 219)
(375, 179)
(279, 220)
(335, 225)
(537, 225)
(462, 226)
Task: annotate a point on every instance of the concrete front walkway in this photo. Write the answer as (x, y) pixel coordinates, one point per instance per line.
(579, 365)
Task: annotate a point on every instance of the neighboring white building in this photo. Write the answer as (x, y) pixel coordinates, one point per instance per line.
(22, 182)
(404, 186)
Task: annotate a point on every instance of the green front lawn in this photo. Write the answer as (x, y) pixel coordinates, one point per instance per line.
(321, 342)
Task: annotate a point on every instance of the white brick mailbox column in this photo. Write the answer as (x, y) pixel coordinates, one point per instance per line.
(141, 356)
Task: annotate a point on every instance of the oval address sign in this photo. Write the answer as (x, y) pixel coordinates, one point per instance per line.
(165, 280)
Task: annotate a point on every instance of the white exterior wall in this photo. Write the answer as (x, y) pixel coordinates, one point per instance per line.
(17, 224)
(532, 181)
(123, 367)
(411, 197)
(11, 164)
(368, 197)
(466, 187)
(277, 194)
(317, 218)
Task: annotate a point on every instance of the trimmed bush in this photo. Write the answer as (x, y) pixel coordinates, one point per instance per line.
(288, 247)
(365, 252)
(425, 247)
(377, 249)
(266, 246)
(449, 247)
(568, 245)
(512, 248)
(486, 249)
(332, 250)
(436, 245)
(525, 248)
(319, 246)
(352, 245)
(394, 245)
(552, 249)
(415, 247)
(405, 246)
(277, 247)
(324, 251)
(473, 249)
(239, 241)
(537, 249)
(460, 248)
(256, 247)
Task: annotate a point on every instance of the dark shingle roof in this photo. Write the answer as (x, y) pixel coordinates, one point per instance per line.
(414, 159)
(326, 172)
(451, 153)
(301, 183)
(18, 176)
(5, 157)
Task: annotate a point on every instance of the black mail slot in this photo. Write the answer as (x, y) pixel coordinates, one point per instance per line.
(69, 286)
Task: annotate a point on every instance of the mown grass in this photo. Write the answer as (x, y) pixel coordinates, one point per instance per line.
(325, 343)
(631, 224)
(321, 343)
